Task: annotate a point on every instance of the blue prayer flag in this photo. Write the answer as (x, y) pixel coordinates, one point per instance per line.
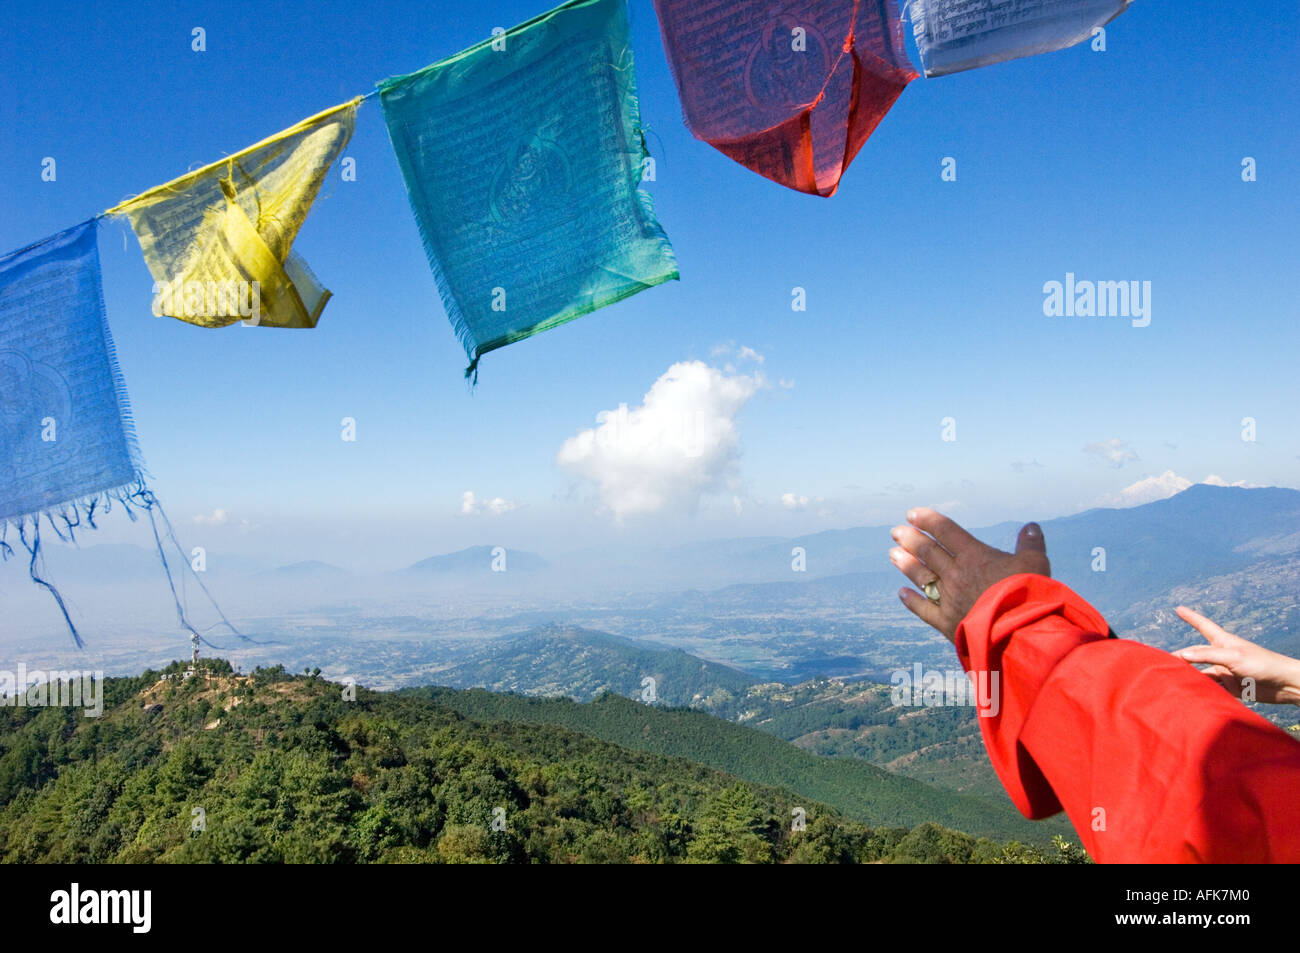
(67, 447)
(65, 432)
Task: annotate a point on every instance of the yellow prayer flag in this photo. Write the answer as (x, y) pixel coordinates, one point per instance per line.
(218, 241)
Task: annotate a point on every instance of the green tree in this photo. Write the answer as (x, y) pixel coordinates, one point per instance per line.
(730, 830)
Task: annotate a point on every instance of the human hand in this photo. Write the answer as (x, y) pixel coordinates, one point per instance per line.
(1232, 660)
(934, 549)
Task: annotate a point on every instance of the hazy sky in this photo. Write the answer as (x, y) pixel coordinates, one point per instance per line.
(925, 298)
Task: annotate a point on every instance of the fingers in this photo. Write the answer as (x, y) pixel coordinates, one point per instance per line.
(951, 536)
(1031, 550)
(1209, 655)
(912, 568)
(1213, 633)
(924, 548)
(925, 610)
(1031, 540)
(1223, 665)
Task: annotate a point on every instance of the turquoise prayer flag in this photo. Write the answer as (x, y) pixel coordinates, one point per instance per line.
(522, 158)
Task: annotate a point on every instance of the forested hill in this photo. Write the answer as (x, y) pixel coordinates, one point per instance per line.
(583, 664)
(860, 790)
(278, 768)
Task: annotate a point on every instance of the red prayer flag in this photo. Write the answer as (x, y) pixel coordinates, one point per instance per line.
(789, 90)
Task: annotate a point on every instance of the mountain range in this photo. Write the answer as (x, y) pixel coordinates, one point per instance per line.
(1204, 530)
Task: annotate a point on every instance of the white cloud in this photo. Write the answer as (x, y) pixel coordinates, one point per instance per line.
(1115, 452)
(1021, 466)
(740, 354)
(1148, 490)
(470, 504)
(792, 501)
(1152, 488)
(1213, 480)
(219, 517)
(679, 445)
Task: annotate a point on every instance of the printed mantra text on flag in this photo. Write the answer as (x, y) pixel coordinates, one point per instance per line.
(956, 35)
(522, 158)
(789, 90)
(218, 241)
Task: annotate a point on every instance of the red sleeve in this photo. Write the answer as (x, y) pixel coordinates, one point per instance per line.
(1151, 760)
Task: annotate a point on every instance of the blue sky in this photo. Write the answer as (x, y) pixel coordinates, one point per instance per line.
(924, 297)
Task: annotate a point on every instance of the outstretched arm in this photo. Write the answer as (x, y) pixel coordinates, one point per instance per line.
(1151, 761)
(1242, 667)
